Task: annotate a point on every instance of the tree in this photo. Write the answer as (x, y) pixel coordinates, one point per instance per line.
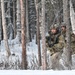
(23, 30)
(27, 23)
(66, 15)
(4, 29)
(18, 23)
(38, 32)
(14, 18)
(0, 23)
(9, 20)
(72, 16)
(44, 65)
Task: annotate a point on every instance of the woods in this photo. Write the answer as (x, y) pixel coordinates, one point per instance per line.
(27, 38)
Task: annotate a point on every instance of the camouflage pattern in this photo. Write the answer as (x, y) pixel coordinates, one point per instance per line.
(72, 40)
(73, 43)
(56, 43)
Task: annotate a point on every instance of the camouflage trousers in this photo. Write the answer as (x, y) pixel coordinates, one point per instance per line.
(56, 62)
(55, 56)
(54, 50)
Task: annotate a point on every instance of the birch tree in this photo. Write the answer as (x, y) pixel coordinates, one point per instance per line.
(66, 11)
(9, 20)
(72, 16)
(4, 29)
(18, 23)
(0, 23)
(44, 65)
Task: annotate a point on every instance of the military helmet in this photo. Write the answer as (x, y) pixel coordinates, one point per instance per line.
(53, 26)
(63, 24)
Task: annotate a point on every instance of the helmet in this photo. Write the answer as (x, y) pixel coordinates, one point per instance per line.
(63, 24)
(54, 26)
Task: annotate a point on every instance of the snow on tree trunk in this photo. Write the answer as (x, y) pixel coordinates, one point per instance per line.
(66, 8)
(72, 16)
(4, 29)
(44, 65)
(23, 29)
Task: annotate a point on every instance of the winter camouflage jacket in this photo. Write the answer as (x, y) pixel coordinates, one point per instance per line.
(72, 41)
(55, 43)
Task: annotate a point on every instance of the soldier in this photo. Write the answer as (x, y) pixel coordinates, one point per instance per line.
(54, 41)
(63, 32)
(55, 44)
(73, 43)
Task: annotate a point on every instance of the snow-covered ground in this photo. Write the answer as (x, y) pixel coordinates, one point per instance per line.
(16, 51)
(14, 62)
(37, 72)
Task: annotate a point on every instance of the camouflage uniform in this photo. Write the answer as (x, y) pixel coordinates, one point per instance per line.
(72, 41)
(55, 43)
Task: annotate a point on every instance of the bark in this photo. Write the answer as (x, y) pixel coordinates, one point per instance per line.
(72, 16)
(18, 23)
(23, 29)
(8, 7)
(66, 11)
(4, 29)
(44, 65)
(0, 23)
(59, 3)
(14, 17)
(27, 24)
(38, 32)
(9, 21)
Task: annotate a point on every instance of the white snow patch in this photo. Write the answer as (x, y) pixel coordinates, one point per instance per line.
(37, 72)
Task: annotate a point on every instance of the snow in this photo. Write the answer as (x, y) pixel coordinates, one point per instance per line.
(16, 49)
(36, 72)
(31, 54)
(14, 61)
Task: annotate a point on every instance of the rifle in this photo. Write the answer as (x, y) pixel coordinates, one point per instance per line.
(49, 39)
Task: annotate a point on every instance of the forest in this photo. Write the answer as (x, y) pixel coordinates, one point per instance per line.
(24, 25)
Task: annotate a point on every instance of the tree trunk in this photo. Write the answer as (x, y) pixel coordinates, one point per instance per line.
(27, 24)
(18, 36)
(38, 32)
(4, 29)
(72, 16)
(44, 65)
(66, 11)
(14, 17)
(9, 21)
(23, 29)
(0, 23)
